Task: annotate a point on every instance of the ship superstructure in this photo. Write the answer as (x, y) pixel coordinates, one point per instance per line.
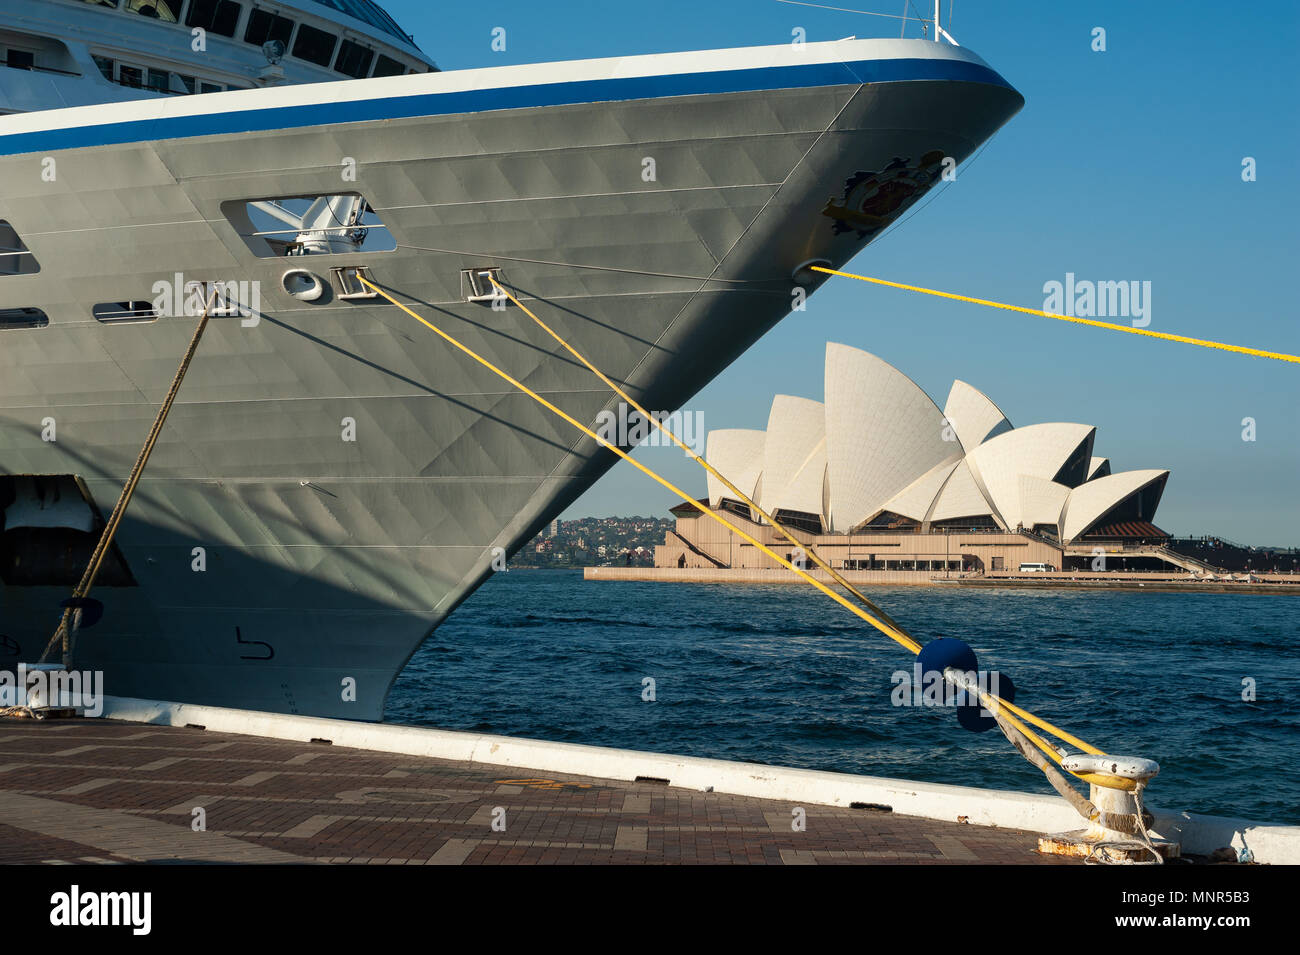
(59, 53)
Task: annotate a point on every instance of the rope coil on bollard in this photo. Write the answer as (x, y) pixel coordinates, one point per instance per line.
(20, 713)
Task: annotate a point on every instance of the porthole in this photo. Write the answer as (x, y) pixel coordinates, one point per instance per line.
(302, 285)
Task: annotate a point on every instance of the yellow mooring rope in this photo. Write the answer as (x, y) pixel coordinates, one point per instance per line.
(991, 702)
(1203, 343)
(65, 631)
(907, 640)
(902, 637)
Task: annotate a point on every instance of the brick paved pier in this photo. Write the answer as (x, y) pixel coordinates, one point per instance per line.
(79, 790)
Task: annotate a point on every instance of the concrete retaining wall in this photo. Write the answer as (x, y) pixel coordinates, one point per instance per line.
(1115, 580)
(753, 575)
(981, 807)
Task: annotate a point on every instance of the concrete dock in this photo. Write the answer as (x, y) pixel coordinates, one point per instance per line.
(103, 791)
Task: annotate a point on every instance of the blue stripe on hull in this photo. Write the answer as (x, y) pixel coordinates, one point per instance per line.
(512, 97)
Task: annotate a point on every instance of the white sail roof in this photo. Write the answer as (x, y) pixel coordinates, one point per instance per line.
(973, 415)
(1041, 502)
(914, 500)
(960, 497)
(882, 433)
(1092, 500)
(1099, 467)
(1039, 450)
(737, 453)
(880, 444)
(794, 456)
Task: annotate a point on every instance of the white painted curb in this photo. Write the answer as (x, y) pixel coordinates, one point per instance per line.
(980, 807)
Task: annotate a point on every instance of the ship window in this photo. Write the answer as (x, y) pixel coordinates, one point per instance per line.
(124, 313)
(264, 26)
(167, 11)
(186, 81)
(367, 12)
(353, 60)
(314, 46)
(22, 318)
(131, 76)
(24, 51)
(105, 65)
(15, 258)
(309, 225)
(160, 81)
(205, 87)
(387, 66)
(216, 16)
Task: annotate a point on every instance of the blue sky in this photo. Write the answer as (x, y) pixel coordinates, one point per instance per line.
(1124, 164)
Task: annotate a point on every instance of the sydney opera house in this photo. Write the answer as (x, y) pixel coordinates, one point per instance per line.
(878, 478)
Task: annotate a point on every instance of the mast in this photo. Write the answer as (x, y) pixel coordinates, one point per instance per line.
(939, 32)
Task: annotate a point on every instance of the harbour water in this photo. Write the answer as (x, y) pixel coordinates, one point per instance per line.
(781, 675)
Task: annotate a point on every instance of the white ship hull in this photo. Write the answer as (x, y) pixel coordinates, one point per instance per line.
(325, 560)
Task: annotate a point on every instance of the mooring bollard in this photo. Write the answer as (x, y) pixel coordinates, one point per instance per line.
(1120, 831)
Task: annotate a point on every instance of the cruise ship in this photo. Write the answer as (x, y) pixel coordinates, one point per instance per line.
(333, 479)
